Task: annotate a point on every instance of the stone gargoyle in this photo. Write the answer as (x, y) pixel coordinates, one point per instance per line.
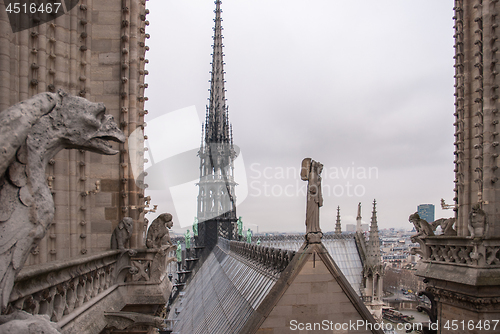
(158, 235)
(31, 133)
(120, 239)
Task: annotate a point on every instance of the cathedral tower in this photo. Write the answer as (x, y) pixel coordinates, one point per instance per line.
(216, 198)
(462, 265)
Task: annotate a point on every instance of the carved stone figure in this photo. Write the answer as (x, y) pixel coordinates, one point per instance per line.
(422, 226)
(178, 255)
(158, 235)
(195, 227)
(446, 226)
(120, 239)
(239, 224)
(31, 133)
(311, 172)
(187, 239)
(478, 226)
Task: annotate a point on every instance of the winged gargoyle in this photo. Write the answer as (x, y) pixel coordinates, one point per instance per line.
(31, 133)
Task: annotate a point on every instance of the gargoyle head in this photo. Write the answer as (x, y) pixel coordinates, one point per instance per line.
(84, 125)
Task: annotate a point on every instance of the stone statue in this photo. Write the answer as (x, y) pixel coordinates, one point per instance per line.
(446, 226)
(158, 235)
(239, 224)
(195, 227)
(477, 225)
(31, 133)
(187, 239)
(311, 172)
(178, 255)
(422, 226)
(120, 239)
(249, 236)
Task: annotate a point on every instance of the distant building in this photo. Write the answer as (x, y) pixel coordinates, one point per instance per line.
(426, 211)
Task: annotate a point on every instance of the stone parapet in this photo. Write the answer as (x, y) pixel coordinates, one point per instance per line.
(273, 260)
(75, 291)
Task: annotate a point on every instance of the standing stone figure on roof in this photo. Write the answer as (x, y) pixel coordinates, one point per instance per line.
(239, 223)
(195, 231)
(249, 236)
(311, 172)
(195, 227)
(178, 255)
(187, 239)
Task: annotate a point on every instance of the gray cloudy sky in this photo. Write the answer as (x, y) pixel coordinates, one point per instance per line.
(365, 87)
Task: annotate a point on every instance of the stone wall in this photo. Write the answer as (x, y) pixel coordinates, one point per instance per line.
(96, 50)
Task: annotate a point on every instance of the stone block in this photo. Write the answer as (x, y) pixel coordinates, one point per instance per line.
(288, 299)
(103, 199)
(106, 31)
(273, 322)
(333, 287)
(101, 73)
(109, 58)
(304, 311)
(329, 308)
(319, 287)
(111, 87)
(298, 288)
(101, 226)
(319, 298)
(111, 213)
(108, 17)
(96, 86)
(109, 185)
(97, 214)
(282, 310)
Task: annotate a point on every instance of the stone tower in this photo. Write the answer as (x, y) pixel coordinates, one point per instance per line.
(462, 267)
(95, 50)
(216, 198)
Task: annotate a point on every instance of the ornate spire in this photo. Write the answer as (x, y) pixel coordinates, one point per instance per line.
(338, 226)
(217, 124)
(216, 198)
(374, 241)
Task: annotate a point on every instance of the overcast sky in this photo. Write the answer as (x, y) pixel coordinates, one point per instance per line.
(365, 87)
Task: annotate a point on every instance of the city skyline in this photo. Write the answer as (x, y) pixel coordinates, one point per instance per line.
(369, 95)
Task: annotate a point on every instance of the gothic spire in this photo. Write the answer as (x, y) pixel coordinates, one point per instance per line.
(217, 123)
(338, 226)
(374, 241)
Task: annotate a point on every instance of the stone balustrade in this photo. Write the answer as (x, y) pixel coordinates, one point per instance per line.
(461, 251)
(67, 290)
(271, 259)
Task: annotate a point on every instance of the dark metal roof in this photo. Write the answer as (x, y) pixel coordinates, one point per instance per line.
(222, 295)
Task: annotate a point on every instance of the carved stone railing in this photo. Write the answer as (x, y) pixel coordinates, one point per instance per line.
(64, 290)
(57, 289)
(461, 251)
(273, 260)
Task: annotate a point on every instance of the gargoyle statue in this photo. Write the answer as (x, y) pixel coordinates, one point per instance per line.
(158, 234)
(31, 133)
(120, 239)
(446, 226)
(477, 225)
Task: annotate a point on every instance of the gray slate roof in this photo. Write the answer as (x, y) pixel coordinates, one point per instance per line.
(341, 248)
(224, 282)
